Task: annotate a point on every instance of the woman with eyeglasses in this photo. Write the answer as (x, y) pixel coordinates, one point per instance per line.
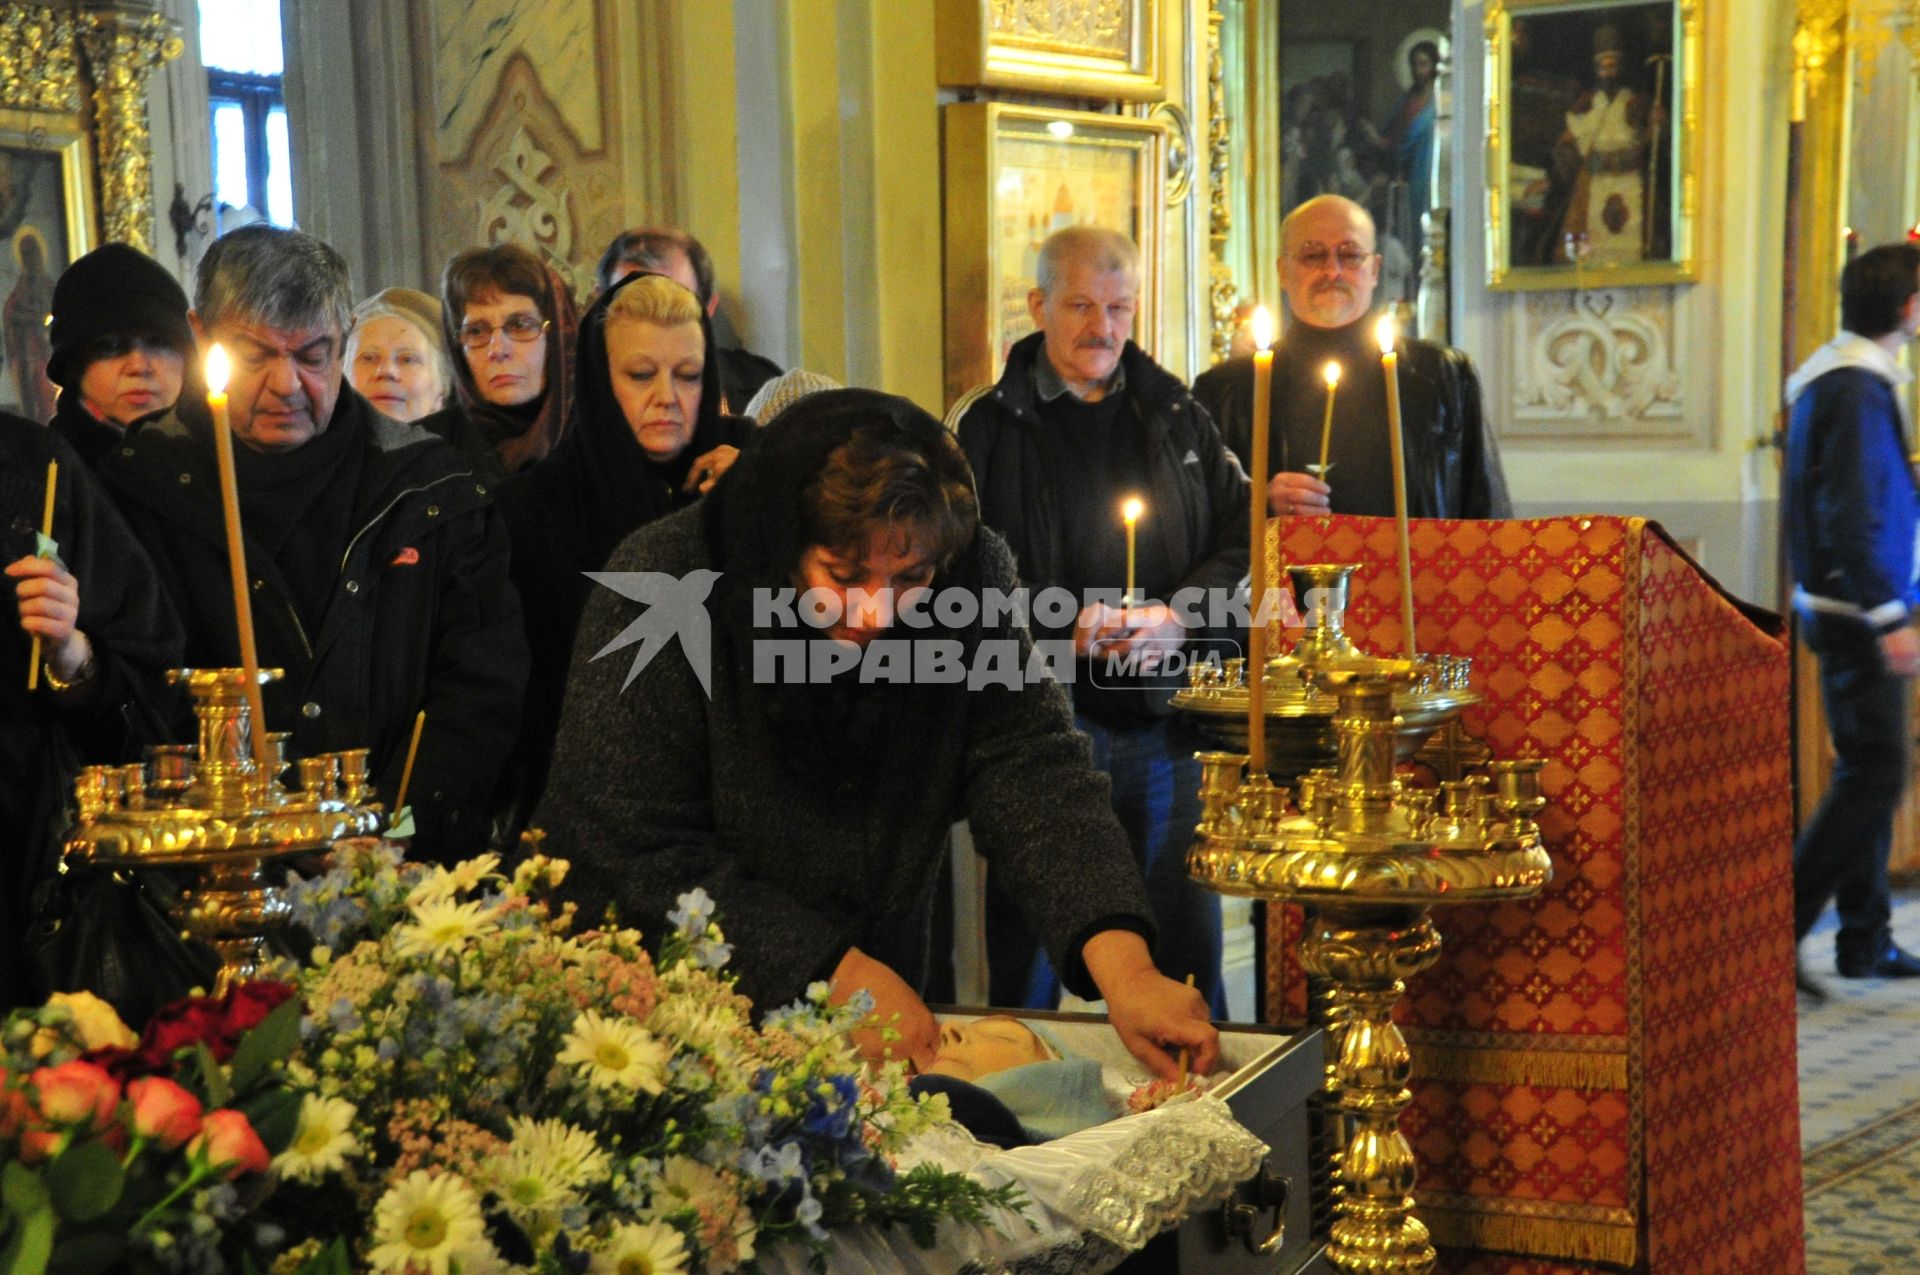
(512, 321)
(647, 437)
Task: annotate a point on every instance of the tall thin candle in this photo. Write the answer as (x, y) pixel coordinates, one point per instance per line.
(1389, 334)
(1130, 514)
(217, 371)
(1331, 374)
(1257, 566)
(46, 534)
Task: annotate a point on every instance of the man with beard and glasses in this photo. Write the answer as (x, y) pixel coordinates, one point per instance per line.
(1329, 269)
(1080, 421)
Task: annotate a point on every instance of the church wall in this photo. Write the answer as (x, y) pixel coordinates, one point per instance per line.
(1672, 434)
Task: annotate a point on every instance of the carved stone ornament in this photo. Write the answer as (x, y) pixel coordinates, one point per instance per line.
(122, 50)
(1599, 355)
(529, 211)
(39, 60)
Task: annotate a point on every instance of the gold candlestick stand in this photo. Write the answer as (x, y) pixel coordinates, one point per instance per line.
(1370, 859)
(211, 811)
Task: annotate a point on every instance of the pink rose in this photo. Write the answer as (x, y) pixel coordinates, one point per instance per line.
(77, 1093)
(228, 1143)
(163, 1112)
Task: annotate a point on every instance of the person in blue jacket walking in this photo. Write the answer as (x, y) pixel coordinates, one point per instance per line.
(1852, 511)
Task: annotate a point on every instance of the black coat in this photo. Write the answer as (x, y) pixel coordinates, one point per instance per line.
(108, 718)
(420, 615)
(1453, 465)
(816, 816)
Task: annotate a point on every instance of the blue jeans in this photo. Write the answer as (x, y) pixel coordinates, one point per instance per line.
(1842, 851)
(1156, 796)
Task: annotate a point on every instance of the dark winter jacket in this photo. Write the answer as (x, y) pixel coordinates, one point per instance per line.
(106, 718)
(1195, 492)
(419, 613)
(1453, 464)
(816, 815)
(566, 514)
(1852, 508)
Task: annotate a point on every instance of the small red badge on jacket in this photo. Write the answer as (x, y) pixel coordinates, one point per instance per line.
(406, 557)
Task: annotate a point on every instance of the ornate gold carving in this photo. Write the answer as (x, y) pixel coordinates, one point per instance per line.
(1222, 294)
(527, 211)
(39, 59)
(1819, 36)
(122, 50)
(1102, 26)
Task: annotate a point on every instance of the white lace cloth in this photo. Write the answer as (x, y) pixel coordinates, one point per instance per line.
(1092, 1197)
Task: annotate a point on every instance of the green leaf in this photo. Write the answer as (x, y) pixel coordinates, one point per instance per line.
(272, 1039)
(91, 1253)
(275, 1116)
(213, 1081)
(85, 1181)
(29, 1242)
(331, 1260)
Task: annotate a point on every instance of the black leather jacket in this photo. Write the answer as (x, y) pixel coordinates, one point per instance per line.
(1453, 466)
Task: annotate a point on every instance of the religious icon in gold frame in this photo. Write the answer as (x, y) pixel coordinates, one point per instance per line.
(46, 221)
(1013, 176)
(1593, 142)
(1092, 48)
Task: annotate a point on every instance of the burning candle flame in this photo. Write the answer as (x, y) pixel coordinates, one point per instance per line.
(1388, 333)
(218, 368)
(1262, 328)
(1132, 510)
(1331, 374)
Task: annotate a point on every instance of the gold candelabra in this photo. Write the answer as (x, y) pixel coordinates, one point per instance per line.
(1370, 858)
(211, 810)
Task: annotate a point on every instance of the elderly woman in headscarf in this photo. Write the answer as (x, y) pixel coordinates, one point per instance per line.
(513, 322)
(396, 357)
(812, 797)
(647, 437)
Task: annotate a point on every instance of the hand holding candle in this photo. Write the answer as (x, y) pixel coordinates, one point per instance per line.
(1130, 513)
(1389, 334)
(1331, 375)
(218, 368)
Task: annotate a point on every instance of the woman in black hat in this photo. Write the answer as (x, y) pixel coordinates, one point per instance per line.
(122, 347)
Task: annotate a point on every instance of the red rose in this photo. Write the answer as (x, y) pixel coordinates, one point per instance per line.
(163, 1112)
(76, 1093)
(122, 1064)
(245, 1004)
(226, 1142)
(16, 1110)
(37, 1145)
(182, 1025)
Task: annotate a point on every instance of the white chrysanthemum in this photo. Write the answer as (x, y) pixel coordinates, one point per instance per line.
(428, 1223)
(697, 1184)
(441, 925)
(715, 1031)
(616, 1053)
(323, 1142)
(544, 1167)
(642, 1248)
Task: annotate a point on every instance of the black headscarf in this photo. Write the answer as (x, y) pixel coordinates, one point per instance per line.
(755, 520)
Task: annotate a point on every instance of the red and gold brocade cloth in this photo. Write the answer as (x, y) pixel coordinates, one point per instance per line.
(1604, 1076)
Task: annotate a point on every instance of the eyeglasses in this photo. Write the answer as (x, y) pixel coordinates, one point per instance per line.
(1317, 256)
(520, 327)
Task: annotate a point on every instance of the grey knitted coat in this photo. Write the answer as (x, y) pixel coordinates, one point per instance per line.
(658, 788)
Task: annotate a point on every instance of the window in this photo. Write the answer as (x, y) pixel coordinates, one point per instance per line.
(252, 153)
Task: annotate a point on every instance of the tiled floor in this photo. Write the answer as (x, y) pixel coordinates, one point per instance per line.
(1860, 1112)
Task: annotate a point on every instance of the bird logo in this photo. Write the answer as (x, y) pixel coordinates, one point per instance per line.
(676, 608)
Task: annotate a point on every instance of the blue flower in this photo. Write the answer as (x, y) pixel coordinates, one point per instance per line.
(695, 910)
(712, 953)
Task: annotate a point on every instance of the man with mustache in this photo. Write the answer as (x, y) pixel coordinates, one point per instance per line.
(1080, 421)
(1329, 269)
(378, 561)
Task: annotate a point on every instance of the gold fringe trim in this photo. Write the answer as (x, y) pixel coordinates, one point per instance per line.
(1546, 1068)
(1613, 1244)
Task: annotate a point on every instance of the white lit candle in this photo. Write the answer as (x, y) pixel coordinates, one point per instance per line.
(1389, 334)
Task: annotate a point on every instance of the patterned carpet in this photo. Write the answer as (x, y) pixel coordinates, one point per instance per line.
(1860, 1113)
